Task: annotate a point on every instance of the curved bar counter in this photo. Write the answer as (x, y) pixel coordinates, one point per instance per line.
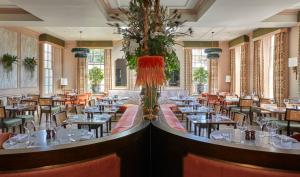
(153, 149)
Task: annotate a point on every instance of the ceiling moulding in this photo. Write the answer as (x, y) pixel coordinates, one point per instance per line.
(189, 13)
(200, 44)
(16, 14)
(263, 31)
(239, 40)
(95, 44)
(52, 39)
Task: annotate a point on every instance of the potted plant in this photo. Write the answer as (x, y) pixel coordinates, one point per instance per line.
(95, 76)
(30, 64)
(8, 61)
(200, 76)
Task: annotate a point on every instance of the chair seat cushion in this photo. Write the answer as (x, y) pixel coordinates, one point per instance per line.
(237, 109)
(11, 122)
(284, 124)
(25, 116)
(53, 109)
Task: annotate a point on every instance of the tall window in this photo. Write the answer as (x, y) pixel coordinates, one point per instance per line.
(96, 60)
(238, 57)
(268, 62)
(48, 71)
(199, 60)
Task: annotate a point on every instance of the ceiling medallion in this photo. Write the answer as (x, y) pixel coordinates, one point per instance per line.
(213, 52)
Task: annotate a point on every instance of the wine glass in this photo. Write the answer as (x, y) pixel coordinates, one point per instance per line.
(29, 128)
(286, 101)
(261, 121)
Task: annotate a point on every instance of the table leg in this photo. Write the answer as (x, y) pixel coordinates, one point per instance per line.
(195, 129)
(96, 129)
(209, 130)
(101, 130)
(107, 128)
(190, 125)
(109, 124)
(199, 129)
(187, 124)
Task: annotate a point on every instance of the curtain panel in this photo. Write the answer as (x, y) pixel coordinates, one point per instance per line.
(232, 70)
(188, 71)
(245, 68)
(82, 75)
(213, 75)
(281, 67)
(107, 70)
(258, 63)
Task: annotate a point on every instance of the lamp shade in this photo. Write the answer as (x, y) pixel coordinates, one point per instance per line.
(63, 81)
(227, 78)
(293, 62)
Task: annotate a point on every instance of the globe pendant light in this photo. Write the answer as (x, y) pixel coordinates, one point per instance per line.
(213, 52)
(80, 52)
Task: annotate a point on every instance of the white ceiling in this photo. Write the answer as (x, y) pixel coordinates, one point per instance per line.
(228, 18)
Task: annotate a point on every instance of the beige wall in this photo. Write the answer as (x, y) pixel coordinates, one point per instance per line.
(224, 67)
(26, 46)
(70, 65)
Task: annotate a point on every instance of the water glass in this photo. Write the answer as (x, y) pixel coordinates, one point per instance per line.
(286, 141)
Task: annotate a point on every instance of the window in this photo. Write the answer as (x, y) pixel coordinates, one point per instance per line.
(96, 60)
(48, 71)
(199, 60)
(238, 58)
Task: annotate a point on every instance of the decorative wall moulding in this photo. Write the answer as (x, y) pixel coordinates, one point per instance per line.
(52, 39)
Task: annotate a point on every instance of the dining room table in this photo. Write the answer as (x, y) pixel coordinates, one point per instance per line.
(39, 139)
(207, 111)
(95, 122)
(265, 139)
(186, 99)
(91, 110)
(16, 109)
(278, 112)
(204, 121)
(114, 98)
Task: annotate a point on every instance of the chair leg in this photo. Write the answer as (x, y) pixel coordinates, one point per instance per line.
(20, 127)
(41, 116)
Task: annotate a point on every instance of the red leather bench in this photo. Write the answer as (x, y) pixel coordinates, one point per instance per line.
(127, 119)
(196, 166)
(108, 166)
(171, 118)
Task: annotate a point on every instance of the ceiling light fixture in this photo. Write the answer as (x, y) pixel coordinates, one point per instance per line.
(213, 52)
(80, 52)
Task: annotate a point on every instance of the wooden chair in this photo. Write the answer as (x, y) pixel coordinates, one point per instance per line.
(238, 116)
(35, 97)
(79, 109)
(292, 116)
(13, 100)
(32, 108)
(6, 123)
(244, 107)
(60, 118)
(92, 102)
(46, 107)
(212, 100)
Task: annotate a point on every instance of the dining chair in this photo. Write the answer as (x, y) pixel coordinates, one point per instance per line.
(238, 116)
(92, 102)
(244, 107)
(47, 107)
(79, 109)
(7, 123)
(212, 100)
(35, 97)
(292, 116)
(32, 108)
(60, 118)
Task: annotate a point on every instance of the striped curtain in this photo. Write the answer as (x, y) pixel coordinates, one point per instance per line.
(213, 76)
(281, 67)
(245, 68)
(232, 70)
(82, 75)
(188, 72)
(258, 78)
(107, 70)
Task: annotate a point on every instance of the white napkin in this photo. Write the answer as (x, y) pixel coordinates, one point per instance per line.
(217, 136)
(20, 138)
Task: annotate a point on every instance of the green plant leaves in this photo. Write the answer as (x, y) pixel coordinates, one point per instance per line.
(200, 75)
(8, 61)
(30, 64)
(95, 76)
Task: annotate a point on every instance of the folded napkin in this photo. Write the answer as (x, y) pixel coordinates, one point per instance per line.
(217, 136)
(86, 137)
(20, 138)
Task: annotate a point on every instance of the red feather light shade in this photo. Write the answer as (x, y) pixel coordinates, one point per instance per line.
(150, 71)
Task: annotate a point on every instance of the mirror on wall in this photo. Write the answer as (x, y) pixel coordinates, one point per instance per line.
(121, 72)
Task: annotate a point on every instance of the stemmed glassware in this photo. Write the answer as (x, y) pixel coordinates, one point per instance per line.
(29, 129)
(261, 121)
(286, 101)
(272, 128)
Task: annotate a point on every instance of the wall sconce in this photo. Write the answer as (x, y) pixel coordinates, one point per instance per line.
(227, 78)
(63, 83)
(293, 63)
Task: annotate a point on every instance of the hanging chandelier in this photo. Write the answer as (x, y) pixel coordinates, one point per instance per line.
(213, 52)
(80, 52)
